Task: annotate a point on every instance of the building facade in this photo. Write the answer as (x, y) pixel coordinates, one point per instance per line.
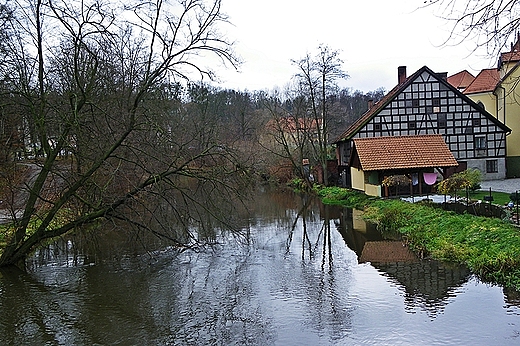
(496, 89)
(424, 104)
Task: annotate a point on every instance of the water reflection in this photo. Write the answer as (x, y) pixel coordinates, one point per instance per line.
(294, 282)
(426, 284)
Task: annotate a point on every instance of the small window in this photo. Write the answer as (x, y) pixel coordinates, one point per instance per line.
(412, 125)
(476, 122)
(492, 166)
(480, 143)
(436, 103)
(377, 127)
(441, 120)
(415, 103)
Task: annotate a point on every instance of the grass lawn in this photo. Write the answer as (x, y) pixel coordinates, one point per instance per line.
(500, 198)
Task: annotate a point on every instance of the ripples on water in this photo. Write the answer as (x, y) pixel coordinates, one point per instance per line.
(288, 285)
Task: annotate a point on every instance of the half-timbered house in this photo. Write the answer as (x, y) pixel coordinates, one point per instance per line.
(425, 104)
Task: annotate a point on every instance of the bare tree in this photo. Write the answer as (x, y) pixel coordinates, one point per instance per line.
(101, 84)
(289, 131)
(317, 78)
(488, 23)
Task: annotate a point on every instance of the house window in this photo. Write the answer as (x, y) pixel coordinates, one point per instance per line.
(436, 103)
(480, 143)
(491, 166)
(377, 127)
(441, 120)
(412, 125)
(476, 122)
(415, 103)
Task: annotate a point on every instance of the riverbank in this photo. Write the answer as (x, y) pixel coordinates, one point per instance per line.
(488, 247)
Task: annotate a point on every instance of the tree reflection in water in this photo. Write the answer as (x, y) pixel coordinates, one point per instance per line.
(292, 281)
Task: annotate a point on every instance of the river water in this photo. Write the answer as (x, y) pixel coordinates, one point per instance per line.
(303, 274)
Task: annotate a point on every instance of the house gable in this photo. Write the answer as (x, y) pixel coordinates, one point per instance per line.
(427, 104)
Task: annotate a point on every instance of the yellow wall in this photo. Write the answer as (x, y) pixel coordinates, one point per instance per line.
(359, 183)
(504, 104)
(511, 110)
(373, 190)
(358, 179)
(488, 99)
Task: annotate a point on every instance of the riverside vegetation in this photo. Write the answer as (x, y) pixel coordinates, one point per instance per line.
(489, 247)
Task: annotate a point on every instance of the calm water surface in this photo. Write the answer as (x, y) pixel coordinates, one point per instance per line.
(306, 275)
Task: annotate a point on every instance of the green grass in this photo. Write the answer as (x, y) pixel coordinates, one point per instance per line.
(341, 196)
(489, 247)
(500, 198)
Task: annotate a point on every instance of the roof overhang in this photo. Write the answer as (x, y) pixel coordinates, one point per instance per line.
(403, 152)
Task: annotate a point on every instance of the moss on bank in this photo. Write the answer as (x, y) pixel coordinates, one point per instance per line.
(489, 247)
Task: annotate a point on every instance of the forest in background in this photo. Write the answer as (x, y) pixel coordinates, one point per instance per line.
(102, 121)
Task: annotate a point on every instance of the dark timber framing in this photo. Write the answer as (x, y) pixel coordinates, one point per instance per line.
(425, 103)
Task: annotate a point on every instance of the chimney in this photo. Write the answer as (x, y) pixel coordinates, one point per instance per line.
(370, 103)
(401, 74)
(443, 75)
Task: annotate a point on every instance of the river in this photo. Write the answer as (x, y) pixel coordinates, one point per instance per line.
(302, 274)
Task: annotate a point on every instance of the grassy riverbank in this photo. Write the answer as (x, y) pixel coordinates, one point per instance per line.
(488, 247)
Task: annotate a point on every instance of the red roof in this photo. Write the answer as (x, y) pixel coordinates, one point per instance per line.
(514, 54)
(461, 80)
(403, 152)
(510, 57)
(486, 81)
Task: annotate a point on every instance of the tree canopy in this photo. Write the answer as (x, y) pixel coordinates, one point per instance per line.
(98, 83)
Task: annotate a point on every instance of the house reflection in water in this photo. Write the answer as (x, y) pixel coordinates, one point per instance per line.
(426, 284)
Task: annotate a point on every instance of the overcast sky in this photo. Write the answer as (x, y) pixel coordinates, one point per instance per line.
(373, 36)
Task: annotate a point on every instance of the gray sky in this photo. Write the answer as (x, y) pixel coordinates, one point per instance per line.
(373, 36)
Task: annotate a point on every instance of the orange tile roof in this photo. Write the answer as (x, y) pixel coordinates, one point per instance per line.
(423, 151)
(486, 81)
(461, 80)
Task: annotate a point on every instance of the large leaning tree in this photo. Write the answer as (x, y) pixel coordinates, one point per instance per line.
(99, 90)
